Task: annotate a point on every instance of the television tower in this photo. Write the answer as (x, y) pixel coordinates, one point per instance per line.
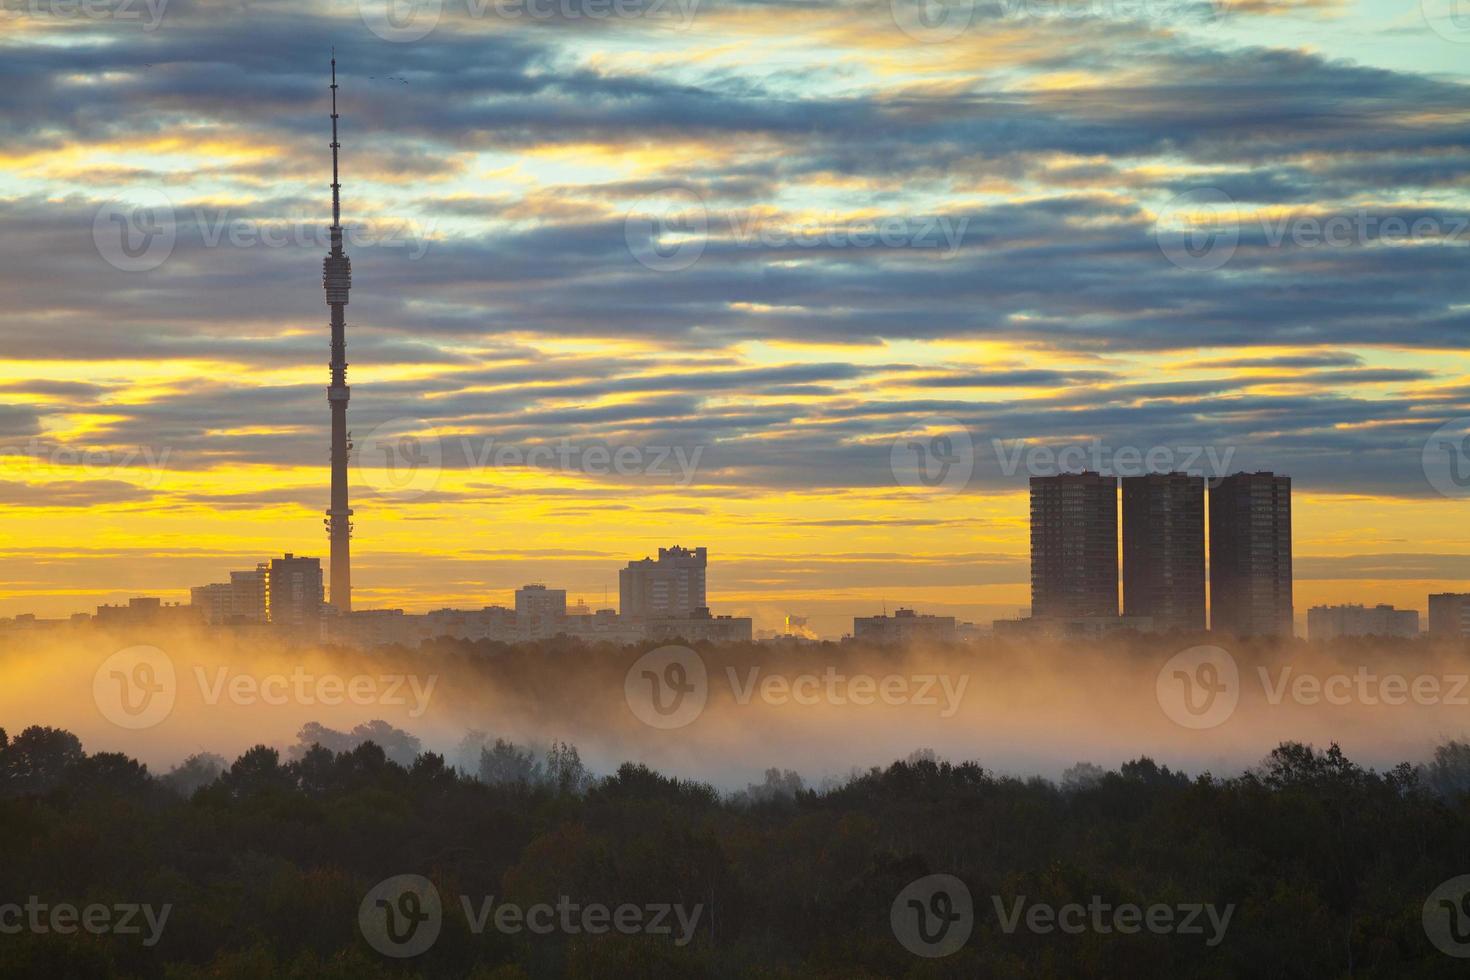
(337, 280)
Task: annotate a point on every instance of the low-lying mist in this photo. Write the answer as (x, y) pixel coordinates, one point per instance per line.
(823, 710)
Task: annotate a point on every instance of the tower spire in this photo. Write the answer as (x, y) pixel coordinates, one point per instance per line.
(336, 185)
(337, 280)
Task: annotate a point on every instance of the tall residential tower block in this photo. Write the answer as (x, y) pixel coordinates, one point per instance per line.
(1074, 546)
(1164, 550)
(1250, 555)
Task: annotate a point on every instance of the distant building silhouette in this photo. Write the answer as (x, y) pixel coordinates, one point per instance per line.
(146, 611)
(1330, 622)
(1449, 615)
(240, 600)
(1074, 546)
(903, 627)
(1250, 555)
(293, 593)
(375, 627)
(1164, 550)
(539, 602)
(671, 588)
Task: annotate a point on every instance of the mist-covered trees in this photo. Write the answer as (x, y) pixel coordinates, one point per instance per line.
(266, 859)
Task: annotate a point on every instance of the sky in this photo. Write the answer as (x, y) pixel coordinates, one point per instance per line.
(635, 273)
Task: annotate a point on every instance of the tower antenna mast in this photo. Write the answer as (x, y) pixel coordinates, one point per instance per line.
(337, 280)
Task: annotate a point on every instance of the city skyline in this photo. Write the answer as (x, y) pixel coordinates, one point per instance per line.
(1102, 560)
(918, 439)
(510, 308)
(1171, 489)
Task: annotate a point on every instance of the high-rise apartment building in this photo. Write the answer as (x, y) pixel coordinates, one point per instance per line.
(293, 592)
(1074, 546)
(672, 587)
(1250, 555)
(1164, 550)
(1449, 615)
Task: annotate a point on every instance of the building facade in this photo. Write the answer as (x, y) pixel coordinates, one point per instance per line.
(1330, 622)
(1449, 615)
(1074, 546)
(294, 594)
(539, 602)
(1164, 550)
(241, 600)
(903, 627)
(379, 627)
(147, 611)
(673, 587)
(1250, 555)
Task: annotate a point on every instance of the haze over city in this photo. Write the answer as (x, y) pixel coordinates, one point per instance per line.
(632, 489)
